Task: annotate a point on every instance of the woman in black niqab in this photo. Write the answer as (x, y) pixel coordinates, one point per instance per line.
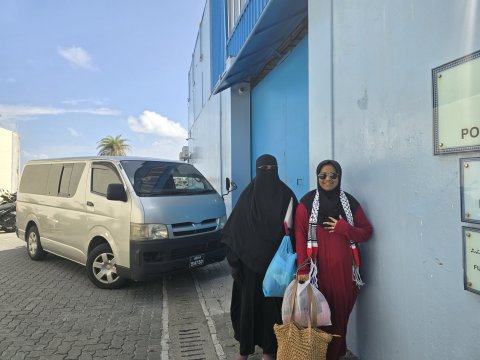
(253, 234)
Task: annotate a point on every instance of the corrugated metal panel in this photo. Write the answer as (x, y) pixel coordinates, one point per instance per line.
(218, 36)
(245, 24)
(262, 28)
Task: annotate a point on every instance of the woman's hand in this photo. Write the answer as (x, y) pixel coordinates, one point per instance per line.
(330, 225)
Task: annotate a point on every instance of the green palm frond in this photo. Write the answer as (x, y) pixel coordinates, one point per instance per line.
(113, 146)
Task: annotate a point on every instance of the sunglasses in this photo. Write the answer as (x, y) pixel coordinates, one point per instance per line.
(323, 176)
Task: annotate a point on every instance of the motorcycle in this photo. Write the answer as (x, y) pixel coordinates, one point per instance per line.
(8, 212)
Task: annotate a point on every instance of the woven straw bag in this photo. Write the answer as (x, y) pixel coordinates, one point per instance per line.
(296, 343)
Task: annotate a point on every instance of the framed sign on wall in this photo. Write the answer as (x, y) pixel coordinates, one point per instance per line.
(471, 259)
(456, 105)
(470, 190)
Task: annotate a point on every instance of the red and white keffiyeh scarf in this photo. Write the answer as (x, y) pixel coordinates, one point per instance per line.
(312, 245)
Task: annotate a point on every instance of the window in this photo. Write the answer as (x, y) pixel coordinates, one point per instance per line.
(65, 180)
(158, 178)
(54, 176)
(34, 179)
(235, 8)
(76, 175)
(55, 179)
(103, 174)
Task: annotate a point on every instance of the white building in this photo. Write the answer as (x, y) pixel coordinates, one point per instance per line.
(9, 160)
(391, 90)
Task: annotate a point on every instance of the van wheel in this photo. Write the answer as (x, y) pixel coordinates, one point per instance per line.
(102, 269)
(34, 246)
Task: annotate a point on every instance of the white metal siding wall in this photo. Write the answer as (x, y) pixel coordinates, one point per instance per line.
(383, 51)
(219, 125)
(199, 74)
(9, 160)
(205, 142)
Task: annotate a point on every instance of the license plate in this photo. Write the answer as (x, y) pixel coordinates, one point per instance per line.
(196, 260)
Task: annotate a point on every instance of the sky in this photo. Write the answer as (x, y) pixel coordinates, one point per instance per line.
(75, 71)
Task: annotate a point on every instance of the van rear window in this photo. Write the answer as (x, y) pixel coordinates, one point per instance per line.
(158, 178)
(34, 179)
(54, 179)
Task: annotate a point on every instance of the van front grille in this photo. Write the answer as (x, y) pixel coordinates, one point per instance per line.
(191, 228)
(194, 231)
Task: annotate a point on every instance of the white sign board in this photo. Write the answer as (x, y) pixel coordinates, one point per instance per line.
(470, 189)
(456, 105)
(471, 259)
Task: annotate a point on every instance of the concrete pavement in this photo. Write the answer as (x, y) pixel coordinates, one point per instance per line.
(50, 310)
(216, 284)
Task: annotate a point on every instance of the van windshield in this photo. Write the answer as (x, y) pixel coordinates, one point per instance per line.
(158, 178)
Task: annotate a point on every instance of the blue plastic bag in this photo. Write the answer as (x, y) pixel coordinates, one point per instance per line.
(281, 270)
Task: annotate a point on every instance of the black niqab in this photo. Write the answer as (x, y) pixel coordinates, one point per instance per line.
(255, 228)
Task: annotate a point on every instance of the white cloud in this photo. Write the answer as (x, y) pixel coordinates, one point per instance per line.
(171, 135)
(152, 123)
(167, 149)
(73, 132)
(23, 112)
(55, 151)
(75, 102)
(77, 56)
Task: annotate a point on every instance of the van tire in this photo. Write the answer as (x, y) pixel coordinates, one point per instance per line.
(101, 268)
(34, 246)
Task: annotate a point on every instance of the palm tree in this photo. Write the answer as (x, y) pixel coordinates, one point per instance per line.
(113, 146)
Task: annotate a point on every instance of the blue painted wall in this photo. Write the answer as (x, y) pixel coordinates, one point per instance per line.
(279, 116)
(218, 38)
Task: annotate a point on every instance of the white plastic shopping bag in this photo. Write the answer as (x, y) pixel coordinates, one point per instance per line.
(296, 294)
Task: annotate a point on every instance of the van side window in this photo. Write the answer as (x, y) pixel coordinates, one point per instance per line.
(54, 178)
(75, 177)
(103, 174)
(65, 180)
(34, 179)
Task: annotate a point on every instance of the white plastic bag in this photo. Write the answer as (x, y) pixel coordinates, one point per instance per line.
(297, 294)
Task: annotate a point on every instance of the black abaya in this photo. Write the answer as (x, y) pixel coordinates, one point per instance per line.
(253, 234)
(254, 315)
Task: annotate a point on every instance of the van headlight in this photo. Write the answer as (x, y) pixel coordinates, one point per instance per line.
(148, 231)
(222, 221)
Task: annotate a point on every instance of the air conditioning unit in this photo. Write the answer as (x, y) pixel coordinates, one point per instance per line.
(184, 154)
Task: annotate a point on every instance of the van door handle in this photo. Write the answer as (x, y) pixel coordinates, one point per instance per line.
(89, 203)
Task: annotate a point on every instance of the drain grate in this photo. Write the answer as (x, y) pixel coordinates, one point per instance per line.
(191, 344)
(188, 329)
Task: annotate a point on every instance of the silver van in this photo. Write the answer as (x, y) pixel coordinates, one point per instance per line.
(121, 217)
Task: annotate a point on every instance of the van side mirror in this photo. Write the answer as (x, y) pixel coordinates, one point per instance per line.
(116, 192)
(229, 184)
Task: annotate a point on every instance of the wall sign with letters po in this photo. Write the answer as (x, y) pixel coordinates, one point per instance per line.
(456, 105)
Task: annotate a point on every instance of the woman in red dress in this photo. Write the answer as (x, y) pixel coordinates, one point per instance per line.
(328, 225)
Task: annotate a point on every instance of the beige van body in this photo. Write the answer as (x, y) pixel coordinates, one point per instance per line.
(122, 217)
